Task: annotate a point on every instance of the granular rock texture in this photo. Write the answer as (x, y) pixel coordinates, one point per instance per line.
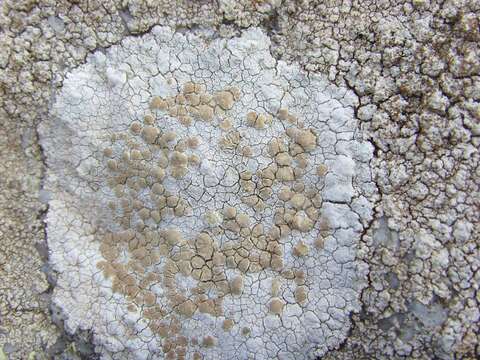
(413, 65)
(206, 201)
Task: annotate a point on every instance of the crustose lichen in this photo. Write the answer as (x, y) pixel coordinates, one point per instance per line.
(206, 201)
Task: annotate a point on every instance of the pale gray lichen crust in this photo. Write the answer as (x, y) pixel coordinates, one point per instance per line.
(206, 200)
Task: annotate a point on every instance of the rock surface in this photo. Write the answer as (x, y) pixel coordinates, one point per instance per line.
(412, 65)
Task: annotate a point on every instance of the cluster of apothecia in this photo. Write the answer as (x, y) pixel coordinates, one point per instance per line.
(134, 255)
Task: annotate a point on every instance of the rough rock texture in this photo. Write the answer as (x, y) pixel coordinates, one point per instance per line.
(414, 67)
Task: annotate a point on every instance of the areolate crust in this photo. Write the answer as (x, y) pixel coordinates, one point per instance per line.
(206, 201)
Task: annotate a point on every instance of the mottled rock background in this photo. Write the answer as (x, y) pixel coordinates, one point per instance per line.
(415, 67)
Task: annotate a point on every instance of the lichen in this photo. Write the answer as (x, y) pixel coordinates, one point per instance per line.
(203, 200)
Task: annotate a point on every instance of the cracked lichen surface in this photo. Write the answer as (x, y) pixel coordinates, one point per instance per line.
(206, 201)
